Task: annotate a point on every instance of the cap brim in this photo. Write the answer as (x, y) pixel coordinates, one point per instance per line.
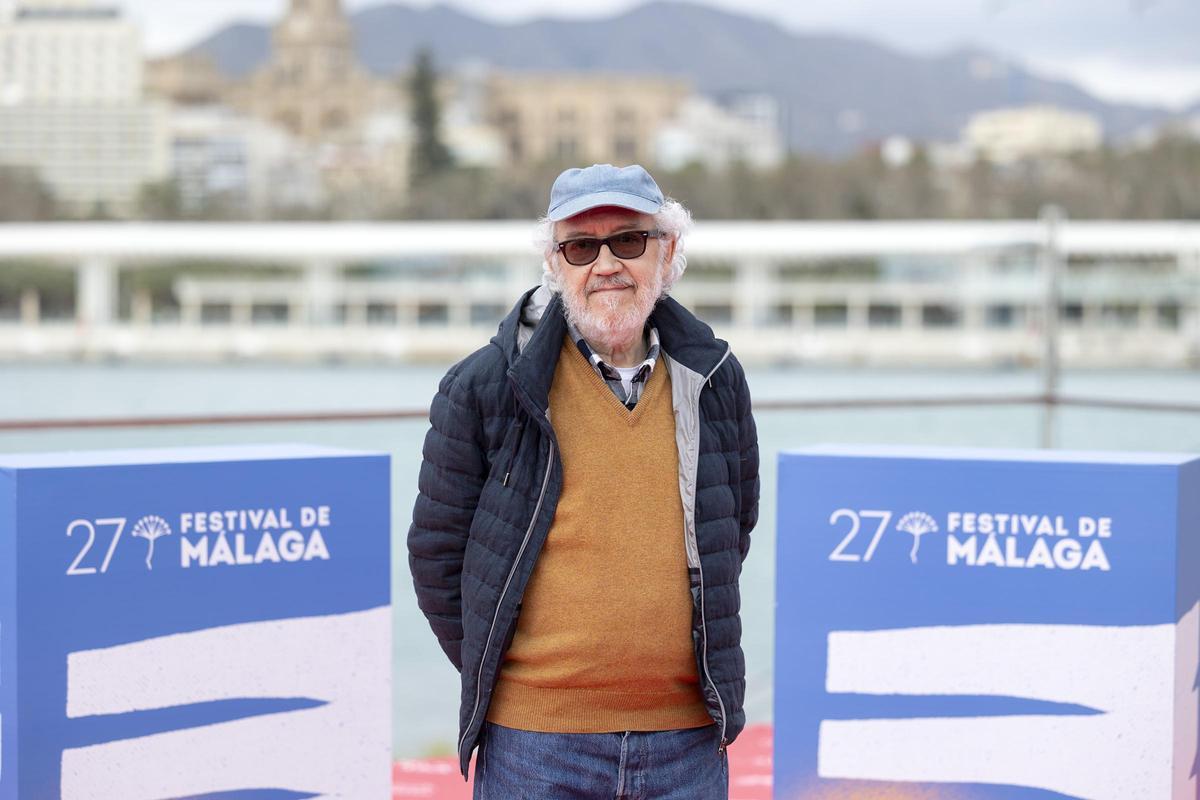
(620, 199)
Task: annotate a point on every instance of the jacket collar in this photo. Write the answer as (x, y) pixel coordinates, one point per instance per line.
(685, 338)
(531, 338)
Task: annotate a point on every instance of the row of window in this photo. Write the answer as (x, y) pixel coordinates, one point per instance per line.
(569, 148)
(511, 117)
(376, 313)
(1165, 316)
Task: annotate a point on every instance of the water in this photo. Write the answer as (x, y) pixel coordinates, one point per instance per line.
(426, 686)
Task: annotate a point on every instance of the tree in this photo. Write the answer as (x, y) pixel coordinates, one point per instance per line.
(430, 154)
(160, 200)
(23, 196)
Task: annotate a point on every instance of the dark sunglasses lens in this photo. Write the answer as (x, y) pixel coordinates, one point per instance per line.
(581, 251)
(628, 245)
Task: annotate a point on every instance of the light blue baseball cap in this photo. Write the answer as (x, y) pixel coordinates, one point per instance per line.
(578, 189)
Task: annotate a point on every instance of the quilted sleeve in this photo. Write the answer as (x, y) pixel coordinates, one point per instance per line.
(748, 455)
(453, 471)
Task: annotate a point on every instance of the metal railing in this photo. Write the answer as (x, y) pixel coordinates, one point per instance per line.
(1048, 403)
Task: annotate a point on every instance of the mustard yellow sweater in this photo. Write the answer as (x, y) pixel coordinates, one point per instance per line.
(604, 641)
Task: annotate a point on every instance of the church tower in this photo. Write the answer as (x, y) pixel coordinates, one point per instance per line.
(314, 43)
(313, 74)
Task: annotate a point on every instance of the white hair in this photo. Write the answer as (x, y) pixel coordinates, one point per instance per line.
(673, 220)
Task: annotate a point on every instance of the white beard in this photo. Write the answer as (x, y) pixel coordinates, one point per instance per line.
(611, 324)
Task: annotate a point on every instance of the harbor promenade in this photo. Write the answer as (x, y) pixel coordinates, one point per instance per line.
(936, 292)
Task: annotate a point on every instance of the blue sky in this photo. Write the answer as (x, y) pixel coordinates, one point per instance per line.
(1141, 50)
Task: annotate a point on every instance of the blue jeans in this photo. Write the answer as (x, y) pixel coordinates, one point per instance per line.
(635, 765)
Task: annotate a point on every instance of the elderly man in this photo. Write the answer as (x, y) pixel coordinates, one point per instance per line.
(588, 489)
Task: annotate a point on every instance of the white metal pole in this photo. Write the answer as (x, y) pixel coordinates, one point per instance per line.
(1051, 267)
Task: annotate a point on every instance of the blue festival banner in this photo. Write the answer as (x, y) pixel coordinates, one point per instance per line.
(987, 625)
(203, 622)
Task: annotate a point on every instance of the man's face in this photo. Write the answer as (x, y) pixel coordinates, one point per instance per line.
(609, 299)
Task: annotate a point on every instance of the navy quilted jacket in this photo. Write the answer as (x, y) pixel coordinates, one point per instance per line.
(490, 482)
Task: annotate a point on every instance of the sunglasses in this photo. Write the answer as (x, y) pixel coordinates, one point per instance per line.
(626, 244)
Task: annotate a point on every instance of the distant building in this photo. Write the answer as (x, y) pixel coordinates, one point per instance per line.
(312, 104)
(71, 104)
(473, 143)
(897, 151)
(1191, 126)
(703, 132)
(582, 117)
(1178, 127)
(313, 86)
(222, 161)
(69, 52)
(370, 174)
(466, 130)
(1012, 134)
(190, 78)
(950, 155)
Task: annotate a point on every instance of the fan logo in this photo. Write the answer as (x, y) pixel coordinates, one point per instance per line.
(917, 523)
(150, 528)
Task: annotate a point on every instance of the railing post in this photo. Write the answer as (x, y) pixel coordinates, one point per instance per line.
(188, 296)
(751, 292)
(1051, 268)
(141, 307)
(1189, 309)
(31, 307)
(320, 277)
(910, 314)
(95, 292)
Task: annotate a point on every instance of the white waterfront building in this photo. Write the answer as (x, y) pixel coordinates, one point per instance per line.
(1125, 293)
(1007, 135)
(248, 166)
(745, 131)
(68, 51)
(71, 104)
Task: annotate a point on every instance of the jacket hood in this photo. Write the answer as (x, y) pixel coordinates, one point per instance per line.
(518, 326)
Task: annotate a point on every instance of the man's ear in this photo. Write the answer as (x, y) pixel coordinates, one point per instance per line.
(670, 255)
(550, 273)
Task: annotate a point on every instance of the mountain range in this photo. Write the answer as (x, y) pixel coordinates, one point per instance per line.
(835, 93)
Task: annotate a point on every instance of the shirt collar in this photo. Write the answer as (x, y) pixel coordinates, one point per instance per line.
(606, 370)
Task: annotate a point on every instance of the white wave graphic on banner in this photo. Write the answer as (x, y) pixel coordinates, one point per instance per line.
(1187, 706)
(340, 749)
(1134, 675)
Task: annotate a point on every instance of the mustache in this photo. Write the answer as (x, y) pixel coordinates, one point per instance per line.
(609, 282)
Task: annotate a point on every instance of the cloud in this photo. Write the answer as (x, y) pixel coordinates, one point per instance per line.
(1155, 31)
(1119, 80)
(171, 25)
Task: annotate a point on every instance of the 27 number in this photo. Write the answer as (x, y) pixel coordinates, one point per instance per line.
(839, 553)
(118, 523)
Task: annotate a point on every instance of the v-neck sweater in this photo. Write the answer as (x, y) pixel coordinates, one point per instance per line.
(603, 641)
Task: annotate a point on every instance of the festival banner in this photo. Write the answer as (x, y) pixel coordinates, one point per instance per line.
(987, 625)
(204, 622)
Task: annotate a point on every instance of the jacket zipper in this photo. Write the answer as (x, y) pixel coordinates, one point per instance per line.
(700, 567)
(516, 450)
(496, 616)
